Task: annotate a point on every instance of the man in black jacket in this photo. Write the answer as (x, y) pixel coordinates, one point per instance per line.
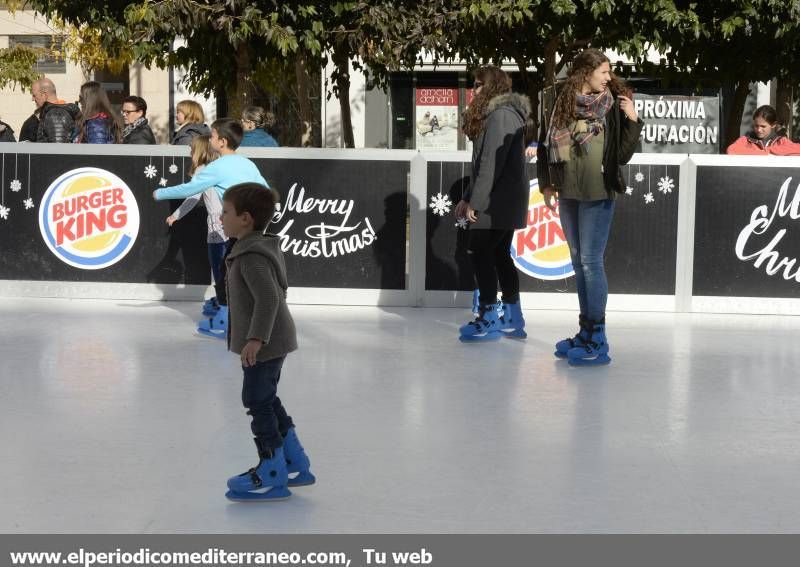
(56, 118)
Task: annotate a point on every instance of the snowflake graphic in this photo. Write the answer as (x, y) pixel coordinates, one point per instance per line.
(462, 223)
(629, 190)
(665, 184)
(28, 203)
(4, 212)
(163, 182)
(173, 168)
(16, 185)
(441, 204)
(150, 171)
(648, 197)
(639, 177)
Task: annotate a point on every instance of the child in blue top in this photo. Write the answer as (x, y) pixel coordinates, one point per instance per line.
(227, 170)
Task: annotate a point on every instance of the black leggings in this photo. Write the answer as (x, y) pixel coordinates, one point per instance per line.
(490, 253)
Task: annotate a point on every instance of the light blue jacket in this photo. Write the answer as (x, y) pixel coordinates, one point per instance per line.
(220, 174)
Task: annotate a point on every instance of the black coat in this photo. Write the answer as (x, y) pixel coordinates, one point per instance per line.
(187, 133)
(622, 137)
(57, 122)
(28, 131)
(500, 191)
(142, 134)
(6, 133)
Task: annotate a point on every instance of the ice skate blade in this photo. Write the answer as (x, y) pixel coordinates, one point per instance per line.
(517, 334)
(302, 479)
(203, 331)
(275, 494)
(599, 360)
(488, 337)
(209, 334)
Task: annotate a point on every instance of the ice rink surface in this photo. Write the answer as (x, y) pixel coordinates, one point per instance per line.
(115, 418)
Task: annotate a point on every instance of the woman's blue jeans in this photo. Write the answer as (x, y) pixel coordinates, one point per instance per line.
(586, 225)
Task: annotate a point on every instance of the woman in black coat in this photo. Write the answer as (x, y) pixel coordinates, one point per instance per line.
(190, 118)
(593, 131)
(496, 204)
(137, 130)
(6, 133)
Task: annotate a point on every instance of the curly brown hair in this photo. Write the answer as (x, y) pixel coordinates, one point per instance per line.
(495, 82)
(584, 65)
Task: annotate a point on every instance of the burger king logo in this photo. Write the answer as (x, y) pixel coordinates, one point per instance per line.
(540, 249)
(89, 218)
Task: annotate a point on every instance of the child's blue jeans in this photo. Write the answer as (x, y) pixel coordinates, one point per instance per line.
(270, 421)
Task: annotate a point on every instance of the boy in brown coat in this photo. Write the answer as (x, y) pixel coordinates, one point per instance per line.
(262, 332)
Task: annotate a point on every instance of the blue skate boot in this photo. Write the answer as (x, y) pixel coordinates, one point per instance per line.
(512, 323)
(595, 351)
(216, 326)
(266, 482)
(485, 326)
(297, 461)
(579, 340)
(210, 307)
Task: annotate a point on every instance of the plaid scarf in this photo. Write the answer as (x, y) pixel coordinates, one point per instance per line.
(133, 126)
(590, 111)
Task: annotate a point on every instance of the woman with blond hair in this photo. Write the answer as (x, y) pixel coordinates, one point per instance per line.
(191, 120)
(593, 131)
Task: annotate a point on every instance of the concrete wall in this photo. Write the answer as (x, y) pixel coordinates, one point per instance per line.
(16, 105)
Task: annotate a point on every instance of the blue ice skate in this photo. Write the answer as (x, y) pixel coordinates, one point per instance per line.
(267, 482)
(512, 323)
(297, 461)
(216, 326)
(485, 326)
(579, 340)
(595, 351)
(210, 307)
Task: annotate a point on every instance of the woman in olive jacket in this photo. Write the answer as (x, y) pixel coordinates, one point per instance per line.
(496, 203)
(593, 131)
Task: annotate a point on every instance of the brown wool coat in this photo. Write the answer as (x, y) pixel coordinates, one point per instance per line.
(256, 285)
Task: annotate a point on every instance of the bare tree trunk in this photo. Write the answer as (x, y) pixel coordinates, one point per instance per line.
(305, 108)
(733, 123)
(244, 91)
(342, 63)
(531, 88)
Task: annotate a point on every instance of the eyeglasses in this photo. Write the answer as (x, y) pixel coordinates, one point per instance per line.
(126, 112)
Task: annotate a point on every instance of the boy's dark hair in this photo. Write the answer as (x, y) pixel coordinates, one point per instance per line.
(255, 199)
(229, 129)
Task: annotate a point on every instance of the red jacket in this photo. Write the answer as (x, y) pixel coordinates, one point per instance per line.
(777, 146)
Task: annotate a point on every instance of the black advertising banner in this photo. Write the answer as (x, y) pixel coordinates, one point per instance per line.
(640, 256)
(90, 218)
(342, 222)
(747, 223)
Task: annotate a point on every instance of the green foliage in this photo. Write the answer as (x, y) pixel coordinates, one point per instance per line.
(18, 66)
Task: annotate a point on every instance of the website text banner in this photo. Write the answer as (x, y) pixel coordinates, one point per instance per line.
(678, 124)
(747, 232)
(397, 550)
(640, 255)
(92, 218)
